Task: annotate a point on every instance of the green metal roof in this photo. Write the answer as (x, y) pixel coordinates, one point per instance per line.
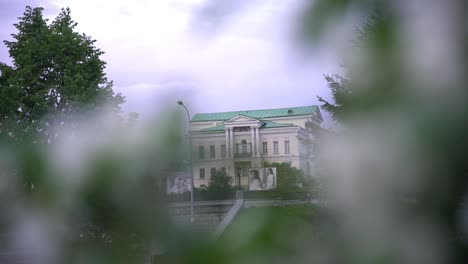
(214, 128)
(268, 124)
(258, 114)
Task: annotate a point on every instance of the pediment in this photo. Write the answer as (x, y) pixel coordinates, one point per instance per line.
(242, 119)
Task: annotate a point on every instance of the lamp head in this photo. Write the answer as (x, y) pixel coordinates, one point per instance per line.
(180, 103)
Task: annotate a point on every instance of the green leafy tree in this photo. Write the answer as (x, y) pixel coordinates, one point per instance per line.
(220, 182)
(57, 76)
(289, 178)
(8, 104)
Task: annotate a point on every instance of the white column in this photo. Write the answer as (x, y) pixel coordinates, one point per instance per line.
(231, 152)
(226, 131)
(257, 141)
(255, 146)
(252, 145)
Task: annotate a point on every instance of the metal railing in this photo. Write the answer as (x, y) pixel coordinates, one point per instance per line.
(242, 154)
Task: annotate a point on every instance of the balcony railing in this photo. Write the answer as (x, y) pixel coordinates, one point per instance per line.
(243, 150)
(243, 155)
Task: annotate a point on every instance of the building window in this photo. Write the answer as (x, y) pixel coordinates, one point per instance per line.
(212, 152)
(223, 170)
(201, 152)
(275, 147)
(265, 147)
(244, 147)
(223, 150)
(212, 172)
(286, 147)
(202, 173)
(241, 129)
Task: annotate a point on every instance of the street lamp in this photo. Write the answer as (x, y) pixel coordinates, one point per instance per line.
(192, 219)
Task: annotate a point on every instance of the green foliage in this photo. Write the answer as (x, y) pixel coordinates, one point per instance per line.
(398, 141)
(133, 118)
(269, 234)
(289, 179)
(220, 182)
(340, 92)
(57, 76)
(371, 38)
(98, 196)
(219, 188)
(318, 16)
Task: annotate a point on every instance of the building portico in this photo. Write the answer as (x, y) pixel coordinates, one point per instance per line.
(236, 141)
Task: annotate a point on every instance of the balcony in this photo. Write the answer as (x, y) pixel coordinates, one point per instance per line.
(243, 150)
(243, 155)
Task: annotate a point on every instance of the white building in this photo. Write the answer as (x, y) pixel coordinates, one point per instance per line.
(236, 141)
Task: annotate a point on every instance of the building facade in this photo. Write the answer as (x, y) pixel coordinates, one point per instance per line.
(236, 141)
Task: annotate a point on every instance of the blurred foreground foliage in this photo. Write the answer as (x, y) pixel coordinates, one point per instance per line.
(257, 235)
(399, 160)
(96, 199)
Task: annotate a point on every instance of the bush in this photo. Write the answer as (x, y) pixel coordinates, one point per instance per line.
(289, 179)
(220, 182)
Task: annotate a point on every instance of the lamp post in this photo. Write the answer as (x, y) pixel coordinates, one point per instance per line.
(192, 219)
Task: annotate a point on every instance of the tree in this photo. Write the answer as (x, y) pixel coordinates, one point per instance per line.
(220, 182)
(132, 118)
(8, 94)
(369, 37)
(57, 76)
(340, 90)
(288, 178)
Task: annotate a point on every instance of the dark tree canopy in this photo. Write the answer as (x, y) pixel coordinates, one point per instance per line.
(57, 76)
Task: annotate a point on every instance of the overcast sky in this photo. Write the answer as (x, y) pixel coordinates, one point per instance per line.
(159, 51)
